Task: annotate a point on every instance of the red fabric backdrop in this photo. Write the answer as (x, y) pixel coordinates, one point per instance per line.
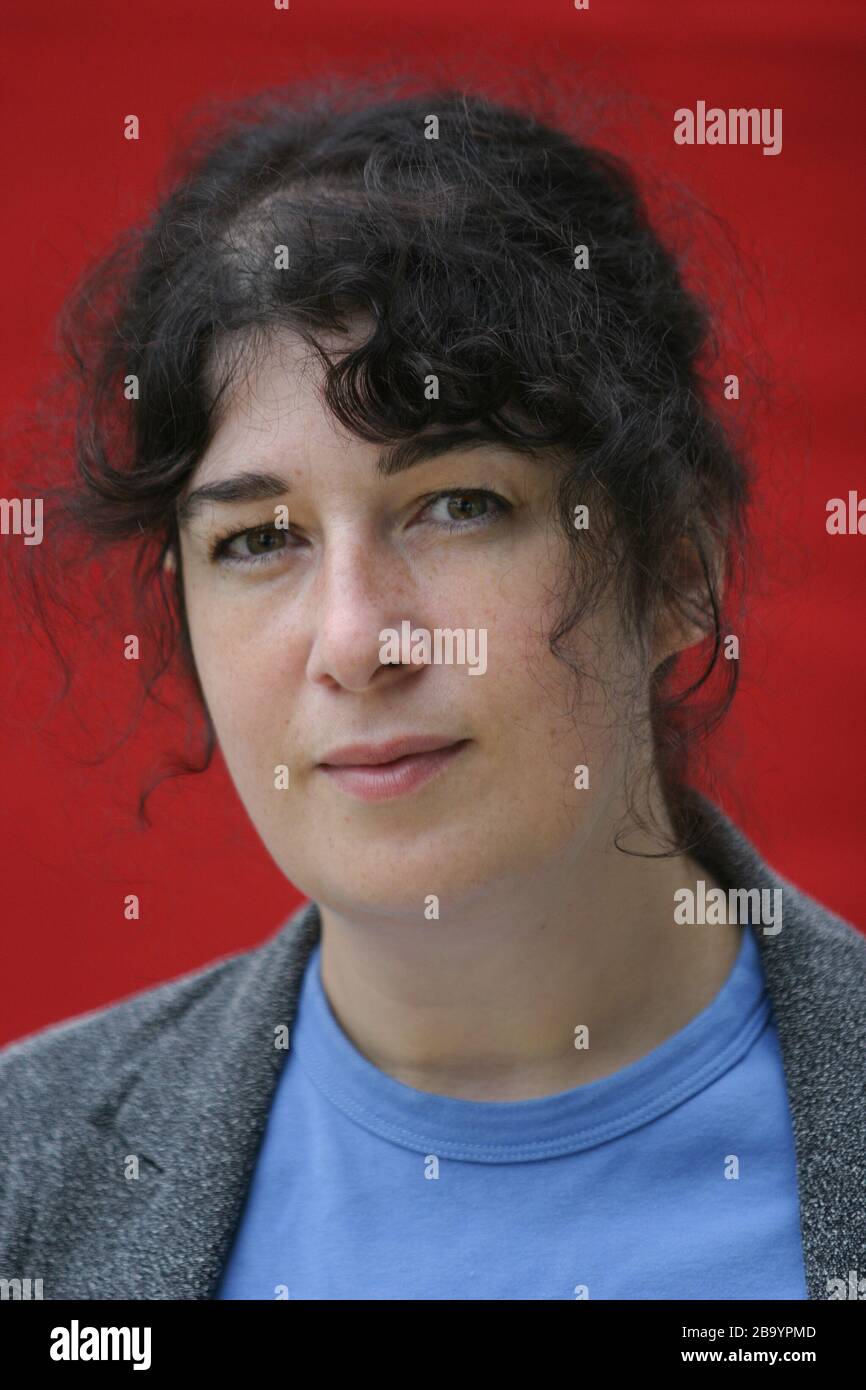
(794, 745)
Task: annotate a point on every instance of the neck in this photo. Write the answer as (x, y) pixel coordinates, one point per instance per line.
(483, 1003)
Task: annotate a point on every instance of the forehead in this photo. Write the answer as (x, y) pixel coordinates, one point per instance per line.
(272, 424)
(265, 395)
(257, 376)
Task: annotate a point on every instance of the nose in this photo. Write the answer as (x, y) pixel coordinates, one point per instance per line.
(362, 587)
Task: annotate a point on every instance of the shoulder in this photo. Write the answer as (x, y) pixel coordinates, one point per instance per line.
(808, 949)
(817, 950)
(70, 1067)
(816, 973)
(143, 1076)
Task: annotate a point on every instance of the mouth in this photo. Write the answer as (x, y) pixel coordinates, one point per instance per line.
(382, 780)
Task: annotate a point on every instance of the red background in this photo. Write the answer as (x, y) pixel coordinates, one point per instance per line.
(794, 747)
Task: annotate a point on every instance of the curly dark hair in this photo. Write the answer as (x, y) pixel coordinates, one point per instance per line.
(461, 253)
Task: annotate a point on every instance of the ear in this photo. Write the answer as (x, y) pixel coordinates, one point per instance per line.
(170, 562)
(687, 616)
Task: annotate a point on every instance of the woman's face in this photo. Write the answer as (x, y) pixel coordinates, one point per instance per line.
(286, 628)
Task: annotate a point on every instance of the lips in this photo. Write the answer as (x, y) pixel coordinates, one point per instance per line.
(375, 754)
(379, 772)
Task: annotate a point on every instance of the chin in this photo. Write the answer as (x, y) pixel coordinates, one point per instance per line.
(393, 885)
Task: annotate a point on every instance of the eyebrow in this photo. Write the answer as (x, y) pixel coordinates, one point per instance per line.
(255, 486)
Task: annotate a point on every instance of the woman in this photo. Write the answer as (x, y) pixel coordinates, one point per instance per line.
(405, 400)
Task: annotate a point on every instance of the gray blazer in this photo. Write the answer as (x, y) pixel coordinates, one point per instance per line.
(180, 1077)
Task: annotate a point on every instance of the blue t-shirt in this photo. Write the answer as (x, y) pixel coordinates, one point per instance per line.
(673, 1178)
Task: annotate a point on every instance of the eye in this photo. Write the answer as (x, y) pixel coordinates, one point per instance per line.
(465, 509)
(255, 546)
(468, 508)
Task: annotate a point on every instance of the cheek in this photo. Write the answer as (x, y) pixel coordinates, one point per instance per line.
(251, 699)
(561, 714)
(244, 683)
